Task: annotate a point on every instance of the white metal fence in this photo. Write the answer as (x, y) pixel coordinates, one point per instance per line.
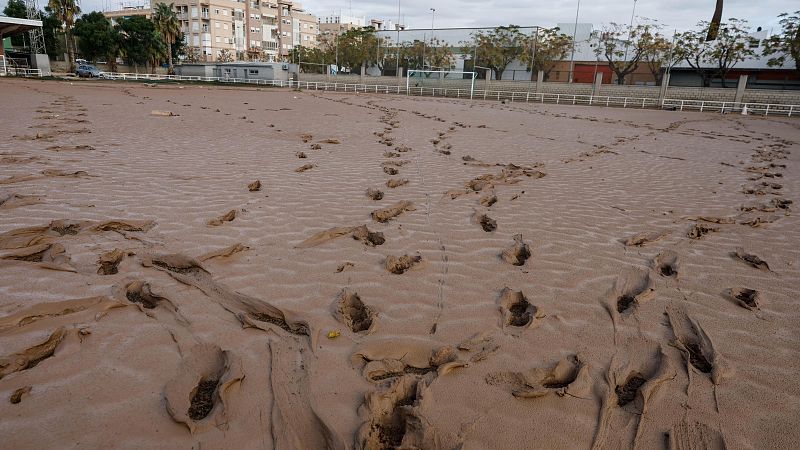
(17, 67)
(487, 94)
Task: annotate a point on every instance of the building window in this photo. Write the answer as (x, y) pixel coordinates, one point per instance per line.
(217, 39)
(253, 71)
(216, 24)
(225, 26)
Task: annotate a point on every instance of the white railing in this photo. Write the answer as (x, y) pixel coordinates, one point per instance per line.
(511, 96)
(732, 107)
(14, 67)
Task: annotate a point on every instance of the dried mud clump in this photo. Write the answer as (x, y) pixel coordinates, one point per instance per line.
(516, 309)
(645, 237)
(227, 217)
(401, 264)
(746, 298)
(568, 377)
(488, 200)
(374, 194)
(304, 168)
(699, 230)
(387, 214)
(518, 253)
(254, 186)
(370, 238)
(31, 357)
(350, 310)
(396, 182)
(109, 262)
(751, 260)
(487, 223)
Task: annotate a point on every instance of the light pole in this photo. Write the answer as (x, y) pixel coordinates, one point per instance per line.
(424, 43)
(574, 33)
(630, 33)
(397, 26)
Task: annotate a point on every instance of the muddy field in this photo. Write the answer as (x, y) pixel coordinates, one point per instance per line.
(205, 267)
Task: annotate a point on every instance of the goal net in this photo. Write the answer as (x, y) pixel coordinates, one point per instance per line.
(424, 81)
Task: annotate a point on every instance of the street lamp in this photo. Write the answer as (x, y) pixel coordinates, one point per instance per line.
(433, 14)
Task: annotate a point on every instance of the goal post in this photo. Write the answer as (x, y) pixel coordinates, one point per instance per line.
(440, 79)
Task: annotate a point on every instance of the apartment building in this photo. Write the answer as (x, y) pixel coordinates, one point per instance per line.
(339, 24)
(126, 12)
(296, 27)
(246, 29)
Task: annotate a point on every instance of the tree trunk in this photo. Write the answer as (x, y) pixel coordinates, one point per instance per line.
(706, 79)
(713, 26)
(498, 74)
(70, 50)
(170, 70)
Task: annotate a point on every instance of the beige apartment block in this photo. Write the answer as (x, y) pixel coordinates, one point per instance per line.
(249, 29)
(115, 15)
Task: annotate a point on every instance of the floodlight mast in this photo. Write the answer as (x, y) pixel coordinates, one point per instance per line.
(35, 34)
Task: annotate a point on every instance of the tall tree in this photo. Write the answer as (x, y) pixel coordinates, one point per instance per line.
(623, 47)
(166, 22)
(16, 9)
(53, 33)
(66, 12)
(433, 54)
(138, 37)
(717, 57)
(716, 20)
(658, 54)
(95, 36)
(545, 48)
(786, 43)
(311, 60)
(358, 47)
(496, 49)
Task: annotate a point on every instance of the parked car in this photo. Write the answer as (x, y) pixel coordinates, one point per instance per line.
(88, 71)
(81, 62)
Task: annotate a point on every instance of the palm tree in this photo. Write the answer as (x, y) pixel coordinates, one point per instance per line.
(167, 25)
(716, 19)
(65, 11)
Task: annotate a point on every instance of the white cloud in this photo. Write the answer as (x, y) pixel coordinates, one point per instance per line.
(680, 14)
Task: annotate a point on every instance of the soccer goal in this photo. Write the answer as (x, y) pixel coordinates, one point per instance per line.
(440, 79)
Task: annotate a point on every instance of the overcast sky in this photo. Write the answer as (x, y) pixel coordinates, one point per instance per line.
(680, 14)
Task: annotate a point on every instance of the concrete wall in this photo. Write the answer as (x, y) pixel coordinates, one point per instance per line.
(786, 97)
(772, 96)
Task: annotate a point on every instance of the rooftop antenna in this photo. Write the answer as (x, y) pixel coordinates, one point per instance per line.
(35, 34)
